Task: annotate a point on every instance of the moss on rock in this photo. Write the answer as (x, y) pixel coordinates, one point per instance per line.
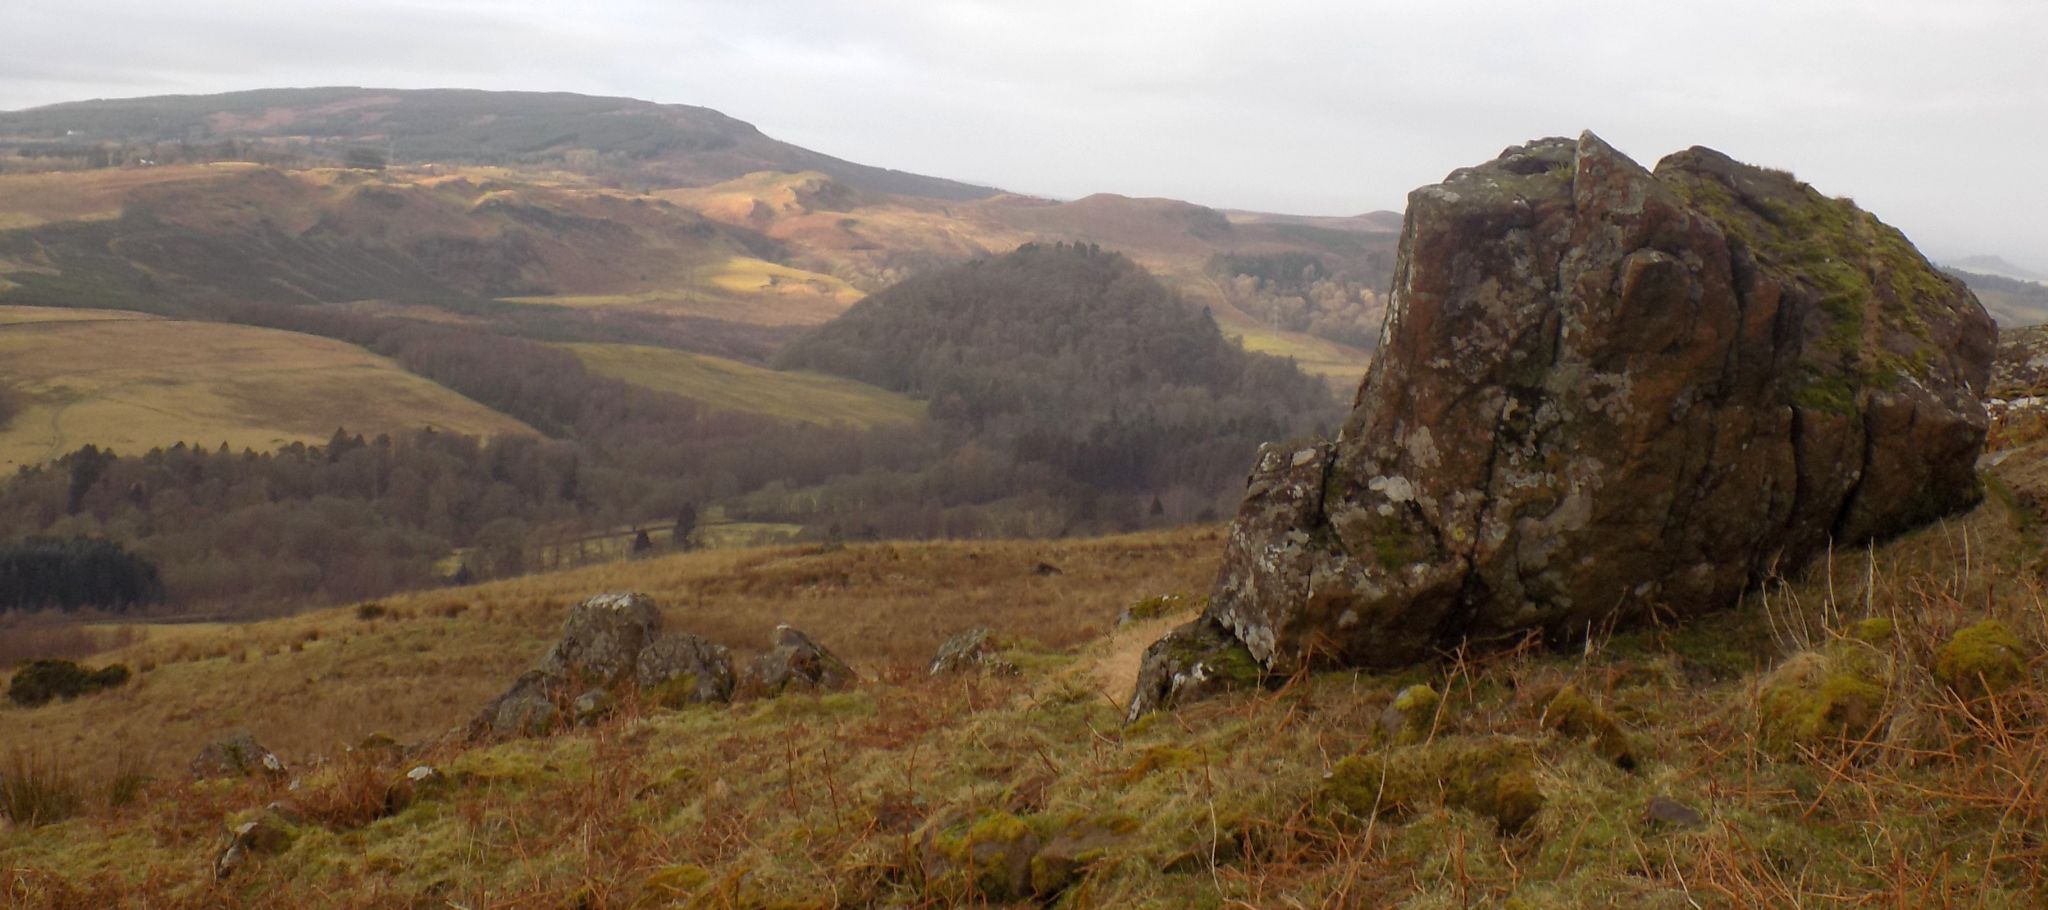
(1819, 697)
(1572, 714)
(1983, 659)
(1488, 776)
(1412, 715)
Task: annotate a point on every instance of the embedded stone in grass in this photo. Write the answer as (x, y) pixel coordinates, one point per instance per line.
(1835, 694)
(1665, 812)
(992, 854)
(1983, 659)
(1571, 713)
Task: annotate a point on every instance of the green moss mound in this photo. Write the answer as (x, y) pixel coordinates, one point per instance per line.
(1983, 659)
(1491, 776)
(1572, 714)
(1818, 698)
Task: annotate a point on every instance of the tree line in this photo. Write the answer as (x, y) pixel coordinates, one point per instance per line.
(70, 574)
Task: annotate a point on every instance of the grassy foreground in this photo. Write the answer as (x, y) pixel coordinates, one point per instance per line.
(1530, 779)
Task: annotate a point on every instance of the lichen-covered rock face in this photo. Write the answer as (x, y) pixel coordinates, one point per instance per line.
(602, 639)
(1603, 393)
(1196, 660)
(794, 662)
(681, 669)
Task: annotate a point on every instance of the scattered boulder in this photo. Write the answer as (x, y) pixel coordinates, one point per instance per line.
(681, 669)
(794, 662)
(1983, 659)
(990, 855)
(528, 708)
(1602, 391)
(266, 835)
(236, 755)
(602, 639)
(972, 650)
(40, 682)
(1194, 661)
(1075, 845)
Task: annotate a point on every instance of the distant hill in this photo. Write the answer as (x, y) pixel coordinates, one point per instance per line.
(2010, 301)
(666, 144)
(1074, 357)
(1995, 265)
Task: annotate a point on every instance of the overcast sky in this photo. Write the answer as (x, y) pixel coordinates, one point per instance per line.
(1932, 113)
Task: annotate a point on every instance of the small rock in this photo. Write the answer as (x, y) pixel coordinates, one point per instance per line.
(526, 709)
(263, 836)
(681, 669)
(974, 649)
(1572, 714)
(236, 755)
(423, 774)
(1194, 661)
(794, 661)
(1665, 812)
(1046, 568)
(592, 707)
(1410, 716)
(1835, 694)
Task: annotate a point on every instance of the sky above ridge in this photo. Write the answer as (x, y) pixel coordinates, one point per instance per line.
(1932, 115)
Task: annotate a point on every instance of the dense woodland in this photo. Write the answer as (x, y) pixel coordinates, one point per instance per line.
(1300, 292)
(1070, 393)
(47, 573)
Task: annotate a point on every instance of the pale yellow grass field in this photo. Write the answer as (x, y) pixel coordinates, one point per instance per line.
(131, 383)
(733, 289)
(729, 385)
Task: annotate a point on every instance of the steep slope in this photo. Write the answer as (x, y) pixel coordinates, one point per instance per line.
(668, 144)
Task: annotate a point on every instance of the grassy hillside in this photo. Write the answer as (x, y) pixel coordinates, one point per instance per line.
(2011, 301)
(733, 386)
(128, 382)
(1646, 770)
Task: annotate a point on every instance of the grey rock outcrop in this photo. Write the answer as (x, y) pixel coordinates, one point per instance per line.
(602, 639)
(794, 662)
(1602, 394)
(680, 669)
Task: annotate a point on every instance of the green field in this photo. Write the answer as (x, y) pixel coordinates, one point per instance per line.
(733, 386)
(130, 383)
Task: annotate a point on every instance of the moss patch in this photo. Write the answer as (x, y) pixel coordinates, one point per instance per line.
(1488, 776)
(1983, 659)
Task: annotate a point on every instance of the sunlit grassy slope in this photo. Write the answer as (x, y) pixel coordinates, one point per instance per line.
(733, 386)
(131, 383)
(914, 792)
(731, 288)
(27, 200)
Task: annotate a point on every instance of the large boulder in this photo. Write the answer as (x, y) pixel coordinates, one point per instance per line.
(602, 639)
(1603, 393)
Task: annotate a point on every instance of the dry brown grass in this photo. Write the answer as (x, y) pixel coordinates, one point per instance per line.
(311, 684)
